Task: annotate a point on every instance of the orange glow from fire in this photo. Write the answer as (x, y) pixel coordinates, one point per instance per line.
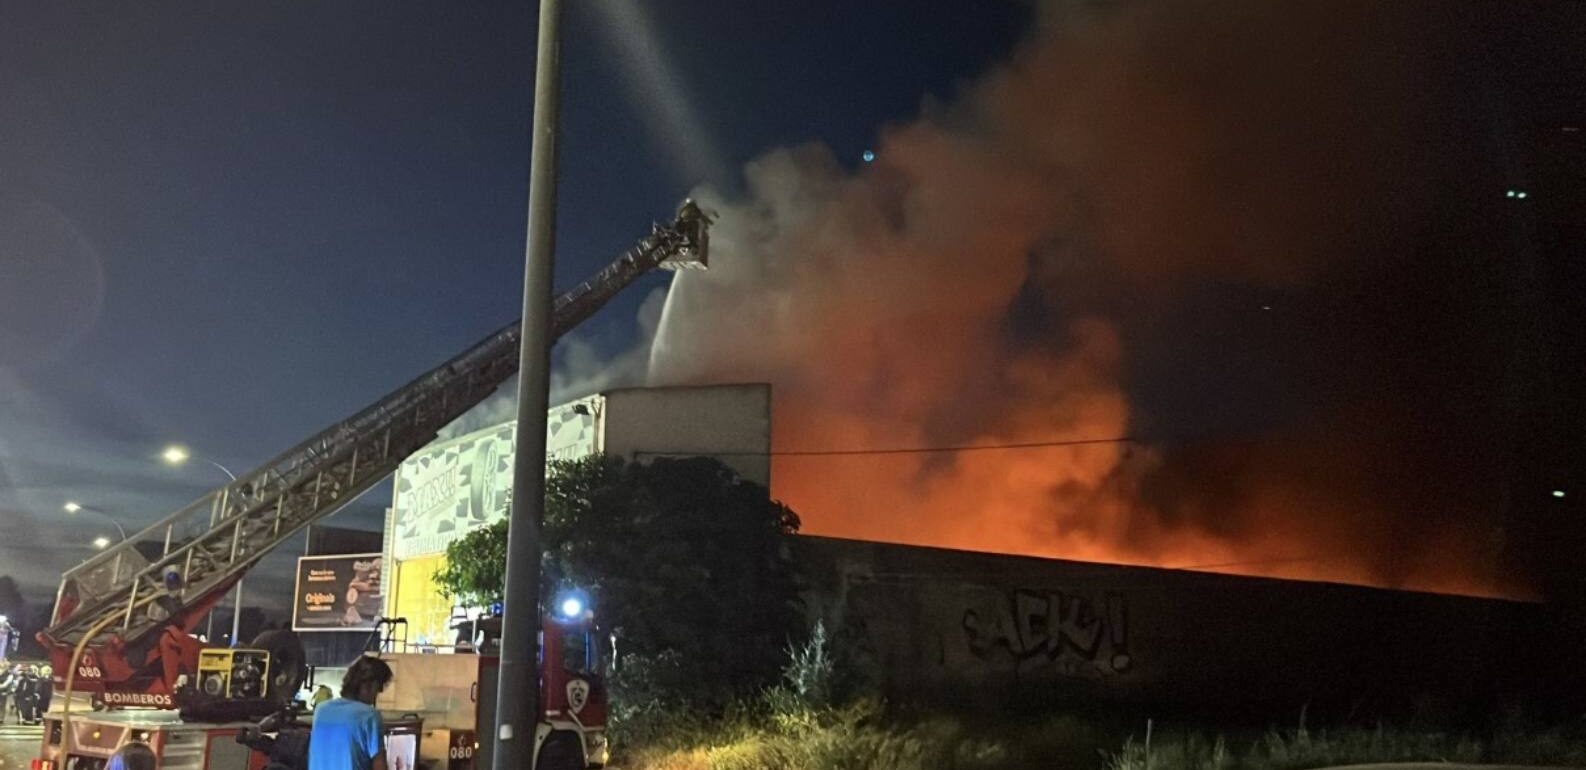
(1100, 180)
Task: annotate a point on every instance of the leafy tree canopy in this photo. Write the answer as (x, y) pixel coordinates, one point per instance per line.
(11, 603)
(683, 561)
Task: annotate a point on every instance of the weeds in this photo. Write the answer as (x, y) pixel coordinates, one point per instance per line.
(1303, 748)
(796, 726)
(862, 735)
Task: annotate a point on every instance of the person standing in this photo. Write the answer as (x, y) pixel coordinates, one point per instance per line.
(27, 696)
(46, 688)
(9, 676)
(347, 732)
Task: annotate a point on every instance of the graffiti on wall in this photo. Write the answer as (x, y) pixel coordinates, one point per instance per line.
(1073, 634)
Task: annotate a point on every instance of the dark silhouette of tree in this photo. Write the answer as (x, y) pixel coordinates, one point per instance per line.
(12, 605)
(684, 562)
(253, 623)
(14, 608)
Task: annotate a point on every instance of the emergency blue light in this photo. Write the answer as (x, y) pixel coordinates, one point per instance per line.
(571, 607)
(570, 604)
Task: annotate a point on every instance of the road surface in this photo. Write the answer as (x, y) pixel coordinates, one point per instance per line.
(19, 744)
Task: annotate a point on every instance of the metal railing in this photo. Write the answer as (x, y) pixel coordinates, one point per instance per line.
(206, 546)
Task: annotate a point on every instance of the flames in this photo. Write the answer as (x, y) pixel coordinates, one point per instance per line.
(1084, 247)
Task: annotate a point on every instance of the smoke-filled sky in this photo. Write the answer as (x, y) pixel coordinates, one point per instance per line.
(1269, 243)
(1272, 244)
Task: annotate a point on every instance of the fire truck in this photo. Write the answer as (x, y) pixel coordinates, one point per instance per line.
(455, 697)
(128, 666)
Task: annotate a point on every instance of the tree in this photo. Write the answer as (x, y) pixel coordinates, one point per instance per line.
(475, 573)
(684, 562)
(15, 610)
(12, 605)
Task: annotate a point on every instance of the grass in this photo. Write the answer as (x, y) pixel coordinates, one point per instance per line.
(853, 737)
(793, 726)
(863, 736)
(1295, 750)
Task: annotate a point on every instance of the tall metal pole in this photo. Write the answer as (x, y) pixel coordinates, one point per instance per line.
(236, 617)
(518, 689)
(236, 612)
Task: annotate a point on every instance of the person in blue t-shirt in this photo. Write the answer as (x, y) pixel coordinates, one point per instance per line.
(347, 732)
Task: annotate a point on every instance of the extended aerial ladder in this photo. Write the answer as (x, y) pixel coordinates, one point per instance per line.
(134, 605)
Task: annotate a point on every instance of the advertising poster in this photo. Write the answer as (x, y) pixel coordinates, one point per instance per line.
(337, 593)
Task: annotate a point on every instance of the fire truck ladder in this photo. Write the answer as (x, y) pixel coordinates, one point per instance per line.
(198, 552)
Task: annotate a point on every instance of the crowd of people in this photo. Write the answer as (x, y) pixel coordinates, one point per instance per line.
(25, 691)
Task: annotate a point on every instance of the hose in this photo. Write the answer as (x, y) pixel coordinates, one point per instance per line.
(71, 675)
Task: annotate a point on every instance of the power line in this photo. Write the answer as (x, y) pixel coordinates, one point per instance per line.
(959, 448)
(904, 450)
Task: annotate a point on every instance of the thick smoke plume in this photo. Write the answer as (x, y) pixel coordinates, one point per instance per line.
(579, 369)
(1201, 227)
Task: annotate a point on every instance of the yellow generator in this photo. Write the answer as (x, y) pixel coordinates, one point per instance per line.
(224, 673)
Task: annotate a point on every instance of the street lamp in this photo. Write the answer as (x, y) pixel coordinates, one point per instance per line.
(175, 455)
(72, 506)
(101, 541)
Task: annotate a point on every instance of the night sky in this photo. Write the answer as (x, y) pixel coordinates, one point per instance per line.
(230, 229)
(231, 226)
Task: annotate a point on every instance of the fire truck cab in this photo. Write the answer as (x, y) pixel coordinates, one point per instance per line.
(456, 697)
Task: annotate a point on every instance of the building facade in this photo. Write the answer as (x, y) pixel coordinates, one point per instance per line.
(454, 486)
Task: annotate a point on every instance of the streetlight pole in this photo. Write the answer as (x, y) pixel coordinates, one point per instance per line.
(75, 507)
(518, 683)
(177, 454)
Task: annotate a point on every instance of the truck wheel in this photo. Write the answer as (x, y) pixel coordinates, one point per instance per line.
(561, 751)
(287, 671)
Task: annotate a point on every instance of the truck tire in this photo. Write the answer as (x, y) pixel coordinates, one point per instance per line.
(287, 671)
(561, 751)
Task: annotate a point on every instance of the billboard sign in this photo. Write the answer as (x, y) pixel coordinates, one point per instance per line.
(450, 488)
(337, 593)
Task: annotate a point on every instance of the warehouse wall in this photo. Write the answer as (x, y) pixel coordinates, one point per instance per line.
(729, 422)
(1007, 633)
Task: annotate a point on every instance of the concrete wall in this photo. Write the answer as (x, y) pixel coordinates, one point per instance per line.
(731, 423)
(1009, 633)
